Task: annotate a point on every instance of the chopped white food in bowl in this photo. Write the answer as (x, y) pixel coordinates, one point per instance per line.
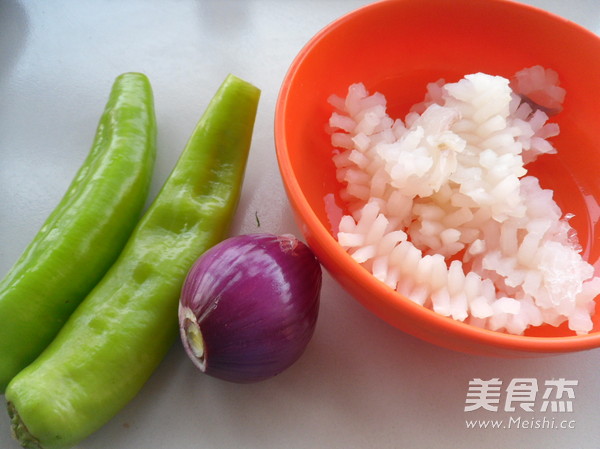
(442, 210)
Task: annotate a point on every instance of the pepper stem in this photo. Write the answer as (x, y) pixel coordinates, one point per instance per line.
(193, 340)
(19, 430)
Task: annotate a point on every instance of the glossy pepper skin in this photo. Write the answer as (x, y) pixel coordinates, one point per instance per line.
(117, 337)
(86, 231)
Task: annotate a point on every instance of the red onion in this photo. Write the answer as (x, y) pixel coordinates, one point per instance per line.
(249, 306)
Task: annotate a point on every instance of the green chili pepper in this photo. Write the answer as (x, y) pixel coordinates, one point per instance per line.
(87, 230)
(116, 338)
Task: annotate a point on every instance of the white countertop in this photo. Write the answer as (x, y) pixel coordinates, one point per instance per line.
(361, 383)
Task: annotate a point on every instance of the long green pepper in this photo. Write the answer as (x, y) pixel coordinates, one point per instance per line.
(116, 338)
(86, 231)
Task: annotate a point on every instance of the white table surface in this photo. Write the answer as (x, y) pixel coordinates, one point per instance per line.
(361, 383)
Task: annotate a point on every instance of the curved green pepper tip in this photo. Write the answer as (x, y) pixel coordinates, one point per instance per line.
(19, 429)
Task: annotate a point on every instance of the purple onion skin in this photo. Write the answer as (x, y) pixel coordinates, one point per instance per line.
(255, 299)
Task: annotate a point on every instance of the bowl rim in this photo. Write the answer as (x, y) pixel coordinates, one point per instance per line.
(321, 236)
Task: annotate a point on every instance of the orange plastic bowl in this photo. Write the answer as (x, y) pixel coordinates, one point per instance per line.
(396, 47)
